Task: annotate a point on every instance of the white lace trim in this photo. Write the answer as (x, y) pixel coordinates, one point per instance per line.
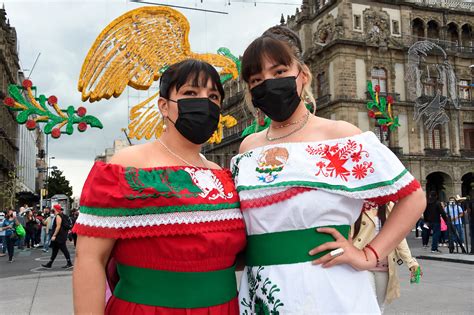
(405, 180)
(159, 219)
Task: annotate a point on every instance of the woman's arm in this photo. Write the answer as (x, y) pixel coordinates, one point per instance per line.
(403, 217)
(89, 277)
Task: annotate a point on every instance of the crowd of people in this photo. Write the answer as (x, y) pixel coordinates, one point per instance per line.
(28, 228)
(449, 224)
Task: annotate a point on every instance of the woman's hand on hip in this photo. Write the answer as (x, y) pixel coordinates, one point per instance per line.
(342, 251)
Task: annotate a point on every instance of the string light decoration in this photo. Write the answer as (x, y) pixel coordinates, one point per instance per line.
(380, 108)
(134, 50)
(33, 111)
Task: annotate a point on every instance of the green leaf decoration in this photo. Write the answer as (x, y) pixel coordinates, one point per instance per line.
(380, 109)
(34, 111)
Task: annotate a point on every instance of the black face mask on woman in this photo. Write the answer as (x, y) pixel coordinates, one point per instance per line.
(197, 119)
(277, 98)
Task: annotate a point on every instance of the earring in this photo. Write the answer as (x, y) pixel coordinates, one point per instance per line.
(165, 127)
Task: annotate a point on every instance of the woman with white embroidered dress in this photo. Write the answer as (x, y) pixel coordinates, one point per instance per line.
(302, 183)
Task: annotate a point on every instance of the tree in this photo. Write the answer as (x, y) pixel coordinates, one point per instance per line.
(58, 184)
(8, 189)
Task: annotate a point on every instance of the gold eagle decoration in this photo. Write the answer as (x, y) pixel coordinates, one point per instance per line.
(134, 50)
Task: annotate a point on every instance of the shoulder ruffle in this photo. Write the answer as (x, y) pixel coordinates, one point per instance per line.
(119, 202)
(358, 167)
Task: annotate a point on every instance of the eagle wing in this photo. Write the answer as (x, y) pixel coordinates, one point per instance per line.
(133, 50)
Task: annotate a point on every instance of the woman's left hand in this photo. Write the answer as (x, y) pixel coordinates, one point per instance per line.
(351, 255)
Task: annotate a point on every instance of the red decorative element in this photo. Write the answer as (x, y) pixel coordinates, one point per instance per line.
(403, 192)
(81, 111)
(390, 99)
(52, 100)
(30, 124)
(27, 84)
(56, 133)
(335, 157)
(276, 198)
(377, 88)
(360, 170)
(384, 128)
(82, 126)
(371, 114)
(9, 101)
(356, 157)
(159, 230)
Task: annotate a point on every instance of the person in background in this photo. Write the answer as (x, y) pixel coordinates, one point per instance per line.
(44, 230)
(2, 236)
(8, 226)
(30, 229)
(443, 236)
(39, 227)
(432, 215)
(21, 219)
(455, 214)
(49, 230)
(59, 238)
(384, 277)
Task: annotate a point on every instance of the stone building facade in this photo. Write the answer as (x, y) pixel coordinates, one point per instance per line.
(349, 42)
(9, 67)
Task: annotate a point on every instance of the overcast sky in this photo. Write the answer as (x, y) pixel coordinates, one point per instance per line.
(63, 31)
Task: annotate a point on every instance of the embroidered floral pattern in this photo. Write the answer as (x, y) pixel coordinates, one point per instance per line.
(270, 163)
(175, 183)
(265, 303)
(333, 162)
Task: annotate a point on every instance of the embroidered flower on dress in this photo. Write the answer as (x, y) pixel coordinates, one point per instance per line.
(333, 160)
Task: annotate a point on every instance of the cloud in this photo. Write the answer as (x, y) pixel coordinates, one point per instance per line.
(63, 32)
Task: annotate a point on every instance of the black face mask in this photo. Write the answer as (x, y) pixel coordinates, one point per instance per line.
(197, 119)
(277, 98)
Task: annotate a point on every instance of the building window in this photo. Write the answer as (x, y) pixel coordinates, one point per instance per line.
(379, 77)
(434, 138)
(464, 90)
(396, 27)
(468, 136)
(357, 22)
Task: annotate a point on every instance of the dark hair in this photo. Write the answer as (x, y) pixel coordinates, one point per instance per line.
(433, 197)
(278, 43)
(198, 72)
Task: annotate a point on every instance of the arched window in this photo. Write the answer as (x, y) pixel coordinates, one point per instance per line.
(379, 77)
(433, 30)
(418, 28)
(453, 34)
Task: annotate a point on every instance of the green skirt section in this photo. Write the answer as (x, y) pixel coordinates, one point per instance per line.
(175, 289)
(289, 247)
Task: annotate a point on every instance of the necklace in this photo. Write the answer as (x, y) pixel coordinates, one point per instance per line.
(293, 122)
(179, 157)
(290, 133)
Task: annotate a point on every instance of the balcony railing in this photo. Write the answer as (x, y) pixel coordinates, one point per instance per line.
(447, 4)
(395, 96)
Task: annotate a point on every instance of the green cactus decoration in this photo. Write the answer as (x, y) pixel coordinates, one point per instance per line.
(40, 113)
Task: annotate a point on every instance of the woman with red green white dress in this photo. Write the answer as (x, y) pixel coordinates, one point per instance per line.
(302, 183)
(160, 222)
